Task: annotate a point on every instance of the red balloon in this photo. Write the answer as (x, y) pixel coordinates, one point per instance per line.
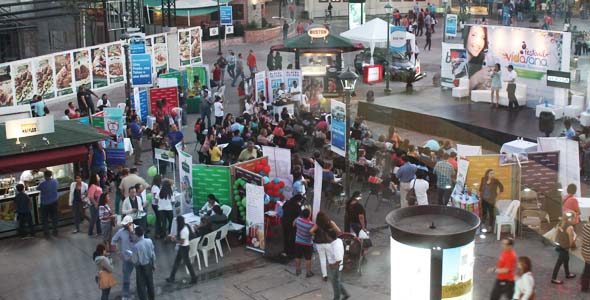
(266, 169)
(281, 184)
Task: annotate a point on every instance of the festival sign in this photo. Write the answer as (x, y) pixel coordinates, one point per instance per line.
(184, 47)
(114, 148)
(82, 68)
(214, 180)
(260, 86)
(255, 217)
(275, 79)
(291, 76)
(141, 70)
(99, 67)
(63, 78)
(196, 77)
(6, 95)
(397, 36)
(338, 128)
(116, 63)
(23, 82)
(356, 14)
(530, 51)
(44, 74)
(196, 49)
(160, 54)
(185, 172)
(139, 101)
(279, 160)
(170, 94)
(318, 175)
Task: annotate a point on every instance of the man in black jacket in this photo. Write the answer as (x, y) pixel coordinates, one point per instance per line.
(23, 211)
(291, 210)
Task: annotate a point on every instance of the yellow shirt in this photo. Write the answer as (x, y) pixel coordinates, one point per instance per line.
(215, 154)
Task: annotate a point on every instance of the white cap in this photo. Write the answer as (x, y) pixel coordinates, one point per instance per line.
(127, 220)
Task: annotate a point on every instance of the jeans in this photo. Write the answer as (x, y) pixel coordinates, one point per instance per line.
(136, 143)
(182, 254)
(94, 221)
(562, 259)
(231, 70)
(511, 89)
(206, 113)
(488, 215)
(239, 73)
(443, 195)
(585, 278)
(502, 287)
(323, 249)
(144, 278)
(157, 228)
(404, 188)
(78, 211)
(336, 279)
(28, 219)
(105, 294)
(166, 217)
(127, 270)
(49, 211)
(222, 77)
(252, 71)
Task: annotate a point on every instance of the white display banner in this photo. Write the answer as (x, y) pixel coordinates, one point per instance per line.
(185, 172)
(569, 159)
(260, 86)
(462, 168)
(410, 279)
(468, 150)
(451, 65)
(165, 155)
(279, 160)
(275, 78)
(255, 217)
(29, 127)
(318, 176)
(531, 51)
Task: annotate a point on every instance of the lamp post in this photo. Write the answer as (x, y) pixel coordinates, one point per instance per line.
(348, 80)
(445, 21)
(219, 30)
(388, 9)
(125, 37)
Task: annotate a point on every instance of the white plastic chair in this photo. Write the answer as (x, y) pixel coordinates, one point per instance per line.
(576, 108)
(193, 252)
(507, 218)
(222, 236)
(207, 244)
(226, 210)
(121, 106)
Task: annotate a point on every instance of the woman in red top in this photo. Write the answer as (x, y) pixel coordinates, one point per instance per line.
(217, 75)
(279, 134)
(570, 204)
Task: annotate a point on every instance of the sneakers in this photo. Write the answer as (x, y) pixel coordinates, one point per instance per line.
(325, 278)
(554, 281)
(570, 276)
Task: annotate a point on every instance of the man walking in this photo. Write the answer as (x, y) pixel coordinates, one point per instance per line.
(206, 107)
(505, 271)
(231, 64)
(144, 258)
(251, 62)
(335, 264)
(270, 61)
(222, 63)
(48, 190)
(239, 69)
(125, 239)
(428, 39)
(445, 173)
(405, 174)
(136, 133)
(285, 30)
(511, 88)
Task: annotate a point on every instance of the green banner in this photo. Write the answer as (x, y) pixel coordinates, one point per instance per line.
(196, 77)
(176, 75)
(214, 180)
(352, 150)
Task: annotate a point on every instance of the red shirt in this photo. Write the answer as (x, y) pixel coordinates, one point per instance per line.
(453, 163)
(570, 204)
(507, 260)
(217, 74)
(251, 60)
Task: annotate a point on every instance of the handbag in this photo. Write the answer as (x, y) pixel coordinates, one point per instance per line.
(411, 197)
(106, 280)
(365, 239)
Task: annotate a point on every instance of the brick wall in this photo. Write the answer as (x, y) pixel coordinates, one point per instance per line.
(255, 36)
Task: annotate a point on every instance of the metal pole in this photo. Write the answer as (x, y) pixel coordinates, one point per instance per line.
(128, 73)
(387, 74)
(83, 13)
(445, 23)
(105, 20)
(280, 9)
(219, 29)
(347, 157)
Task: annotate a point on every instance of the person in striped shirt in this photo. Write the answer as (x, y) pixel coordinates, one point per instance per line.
(586, 255)
(303, 242)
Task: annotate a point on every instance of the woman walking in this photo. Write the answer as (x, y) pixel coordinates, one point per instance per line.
(488, 192)
(94, 193)
(564, 241)
(182, 240)
(322, 243)
(524, 288)
(78, 197)
(107, 218)
(155, 191)
(165, 206)
(103, 264)
(354, 215)
(496, 85)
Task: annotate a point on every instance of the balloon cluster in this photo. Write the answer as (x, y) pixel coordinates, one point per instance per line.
(274, 189)
(262, 167)
(240, 196)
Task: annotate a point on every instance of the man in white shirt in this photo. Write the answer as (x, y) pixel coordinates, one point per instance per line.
(510, 79)
(282, 90)
(218, 110)
(335, 262)
(103, 102)
(295, 91)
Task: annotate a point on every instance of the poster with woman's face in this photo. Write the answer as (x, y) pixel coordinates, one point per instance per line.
(23, 82)
(63, 77)
(44, 74)
(6, 97)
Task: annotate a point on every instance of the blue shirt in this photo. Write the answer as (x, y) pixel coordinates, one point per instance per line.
(143, 252)
(175, 138)
(135, 130)
(126, 238)
(48, 189)
(237, 126)
(303, 234)
(406, 172)
(570, 133)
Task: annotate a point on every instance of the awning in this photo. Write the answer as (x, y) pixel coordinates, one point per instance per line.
(188, 8)
(331, 44)
(42, 159)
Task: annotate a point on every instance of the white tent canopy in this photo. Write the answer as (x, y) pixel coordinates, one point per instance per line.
(373, 33)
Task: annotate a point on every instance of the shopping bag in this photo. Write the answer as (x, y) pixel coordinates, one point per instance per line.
(106, 280)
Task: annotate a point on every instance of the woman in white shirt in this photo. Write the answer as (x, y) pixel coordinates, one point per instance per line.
(165, 206)
(182, 239)
(524, 288)
(78, 197)
(421, 188)
(155, 191)
(218, 106)
(208, 207)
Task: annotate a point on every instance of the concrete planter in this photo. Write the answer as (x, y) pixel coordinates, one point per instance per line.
(255, 36)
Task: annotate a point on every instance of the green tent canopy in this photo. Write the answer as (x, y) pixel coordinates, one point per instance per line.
(331, 43)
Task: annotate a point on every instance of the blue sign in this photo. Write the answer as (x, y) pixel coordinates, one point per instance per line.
(137, 45)
(338, 129)
(143, 105)
(226, 15)
(141, 69)
(451, 25)
(398, 37)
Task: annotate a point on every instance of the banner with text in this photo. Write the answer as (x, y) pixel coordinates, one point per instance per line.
(185, 172)
(338, 128)
(255, 217)
(214, 180)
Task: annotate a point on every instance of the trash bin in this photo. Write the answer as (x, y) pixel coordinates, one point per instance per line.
(193, 105)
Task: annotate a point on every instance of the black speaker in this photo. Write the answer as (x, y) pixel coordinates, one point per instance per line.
(546, 122)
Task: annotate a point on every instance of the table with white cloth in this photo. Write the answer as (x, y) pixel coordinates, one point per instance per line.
(519, 146)
(585, 119)
(190, 219)
(555, 109)
(128, 146)
(584, 204)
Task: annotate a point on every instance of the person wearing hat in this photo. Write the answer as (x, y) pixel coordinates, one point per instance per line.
(123, 240)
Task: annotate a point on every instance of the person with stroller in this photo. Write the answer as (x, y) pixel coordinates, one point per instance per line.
(320, 231)
(355, 216)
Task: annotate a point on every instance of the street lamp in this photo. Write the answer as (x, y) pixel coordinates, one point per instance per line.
(445, 22)
(219, 30)
(125, 37)
(348, 80)
(388, 9)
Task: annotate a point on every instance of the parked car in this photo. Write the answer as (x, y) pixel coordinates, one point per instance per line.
(398, 64)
